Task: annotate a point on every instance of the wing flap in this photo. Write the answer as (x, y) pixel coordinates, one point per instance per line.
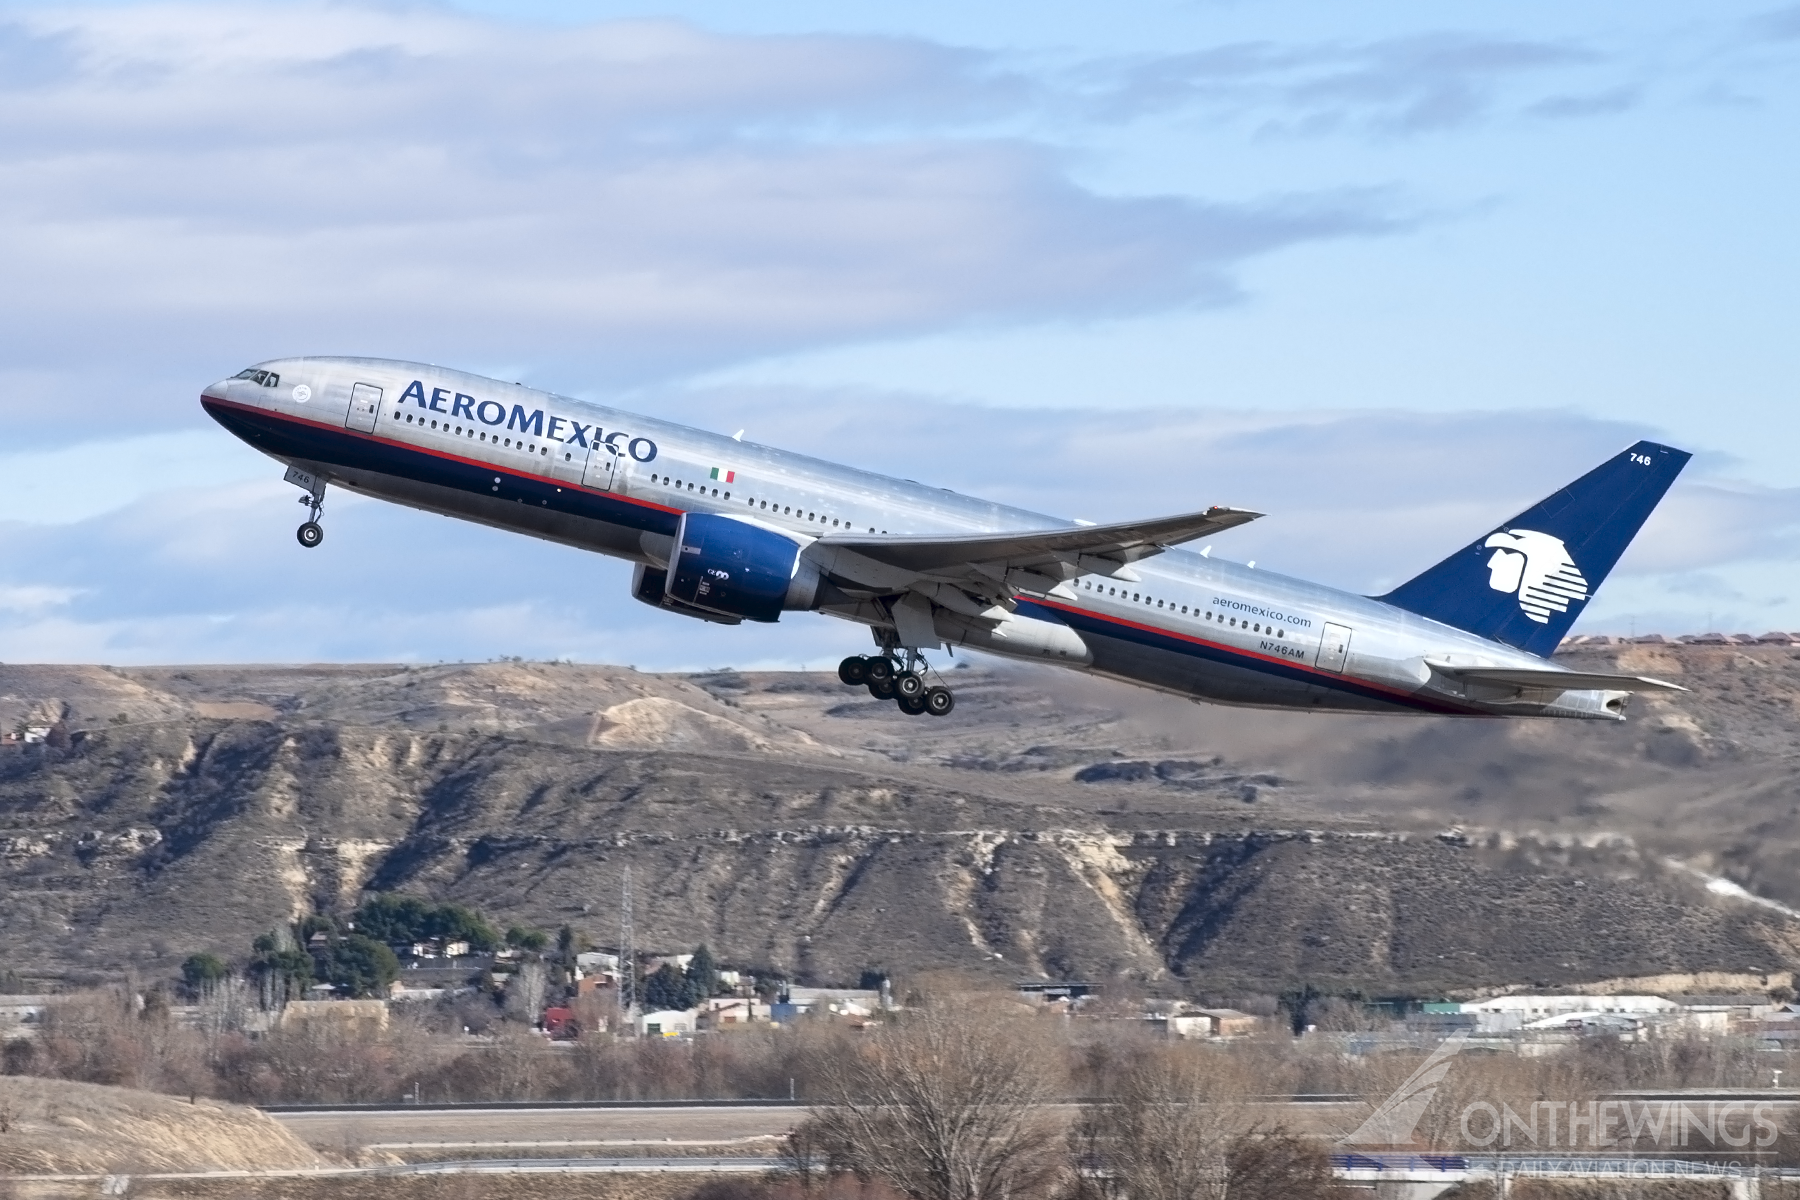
(1568, 681)
(1119, 543)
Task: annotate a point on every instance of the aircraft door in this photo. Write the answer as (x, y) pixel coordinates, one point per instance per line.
(605, 467)
(1334, 647)
(365, 407)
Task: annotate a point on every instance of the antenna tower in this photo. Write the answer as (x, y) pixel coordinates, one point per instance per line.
(627, 954)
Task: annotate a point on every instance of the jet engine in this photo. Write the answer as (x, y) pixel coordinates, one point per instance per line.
(729, 570)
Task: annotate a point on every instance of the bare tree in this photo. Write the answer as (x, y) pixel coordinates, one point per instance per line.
(525, 994)
(1167, 1130)
(948, 1103)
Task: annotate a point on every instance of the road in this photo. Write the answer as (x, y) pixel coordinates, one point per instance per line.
(407, 1131)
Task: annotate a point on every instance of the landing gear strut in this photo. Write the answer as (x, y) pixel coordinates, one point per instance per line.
(310, 533)
(887, 679)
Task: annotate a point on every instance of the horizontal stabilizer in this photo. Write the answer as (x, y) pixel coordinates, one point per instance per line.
(1568, 681)
(1122, 543)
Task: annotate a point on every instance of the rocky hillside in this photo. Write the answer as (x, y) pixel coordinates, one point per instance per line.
(1054, 825)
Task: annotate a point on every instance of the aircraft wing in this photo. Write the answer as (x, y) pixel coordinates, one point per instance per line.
(1568, 681)
(1117, 544)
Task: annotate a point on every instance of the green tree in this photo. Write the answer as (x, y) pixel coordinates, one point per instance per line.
(665, 989)
(200, 970)
(269, 959)
(360, 966)
(702, 976)
(401, 919)
(520, 938)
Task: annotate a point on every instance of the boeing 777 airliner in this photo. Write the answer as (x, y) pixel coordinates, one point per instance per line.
(728, 531)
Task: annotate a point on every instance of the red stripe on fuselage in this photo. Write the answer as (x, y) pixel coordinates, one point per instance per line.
(1413, 699)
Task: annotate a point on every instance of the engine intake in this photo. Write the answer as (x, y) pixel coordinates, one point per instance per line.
(726, 567)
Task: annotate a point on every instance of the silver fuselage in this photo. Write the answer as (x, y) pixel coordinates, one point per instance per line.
(616, 482)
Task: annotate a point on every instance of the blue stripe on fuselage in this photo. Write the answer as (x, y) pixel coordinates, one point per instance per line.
(1083, 620)
(293, 437)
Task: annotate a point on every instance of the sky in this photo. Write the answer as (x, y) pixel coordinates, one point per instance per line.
(1387, 273)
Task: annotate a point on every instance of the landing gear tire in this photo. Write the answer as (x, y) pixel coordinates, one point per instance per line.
(854, 671)
(310, 534)
(882, 689)
(881, 668)
(912, 706)
(910, 685)
(939, 701)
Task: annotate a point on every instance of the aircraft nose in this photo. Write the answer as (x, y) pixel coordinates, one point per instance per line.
(215, 391)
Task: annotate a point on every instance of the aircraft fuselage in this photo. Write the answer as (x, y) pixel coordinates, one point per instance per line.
(618, 483)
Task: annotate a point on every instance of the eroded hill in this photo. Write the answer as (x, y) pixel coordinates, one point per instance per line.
(1053, 825)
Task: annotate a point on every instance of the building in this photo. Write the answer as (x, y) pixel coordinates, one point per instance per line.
(364, 1017)
(1191, 1023)
(20, 1016)
(1509, 1014)
(669, 1023)
(733, 1012)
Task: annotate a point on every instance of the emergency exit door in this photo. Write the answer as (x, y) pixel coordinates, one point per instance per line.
(365, 407)
(1334, 647)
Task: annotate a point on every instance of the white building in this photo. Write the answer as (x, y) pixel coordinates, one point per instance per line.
(1506, 1014)
(668, 1023)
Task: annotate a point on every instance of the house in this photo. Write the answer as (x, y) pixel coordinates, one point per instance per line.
(366, 1017)
(1210, 1023)
(560, 1023)
(668, 1023)
(733, 1012)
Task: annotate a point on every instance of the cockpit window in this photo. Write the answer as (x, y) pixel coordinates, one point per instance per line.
(266, 378)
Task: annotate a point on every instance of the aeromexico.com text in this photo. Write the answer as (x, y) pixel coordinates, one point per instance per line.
(1254, 610)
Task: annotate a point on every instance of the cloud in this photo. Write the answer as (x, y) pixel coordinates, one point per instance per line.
(184, 188)
(1778, 25)
(1407, 85)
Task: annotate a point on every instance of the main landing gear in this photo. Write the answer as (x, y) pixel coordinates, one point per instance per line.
(887, 679)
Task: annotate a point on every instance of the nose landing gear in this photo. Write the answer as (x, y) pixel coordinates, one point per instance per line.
(310, 533)
(887, 679)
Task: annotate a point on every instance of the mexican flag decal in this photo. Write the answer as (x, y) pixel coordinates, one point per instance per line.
(724, 476)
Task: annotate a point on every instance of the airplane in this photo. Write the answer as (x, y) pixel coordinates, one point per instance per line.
(728, 531)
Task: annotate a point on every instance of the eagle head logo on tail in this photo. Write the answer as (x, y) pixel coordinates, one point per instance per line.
(1537, 567)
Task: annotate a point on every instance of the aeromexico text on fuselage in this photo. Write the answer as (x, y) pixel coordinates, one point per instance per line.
(497, 415)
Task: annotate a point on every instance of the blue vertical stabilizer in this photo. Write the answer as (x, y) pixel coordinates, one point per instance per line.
(1526, 582)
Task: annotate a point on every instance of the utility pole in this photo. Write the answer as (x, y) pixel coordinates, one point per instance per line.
(627, 957)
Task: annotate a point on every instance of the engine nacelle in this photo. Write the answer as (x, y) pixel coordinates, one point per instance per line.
(651, 585)
(731, 568)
